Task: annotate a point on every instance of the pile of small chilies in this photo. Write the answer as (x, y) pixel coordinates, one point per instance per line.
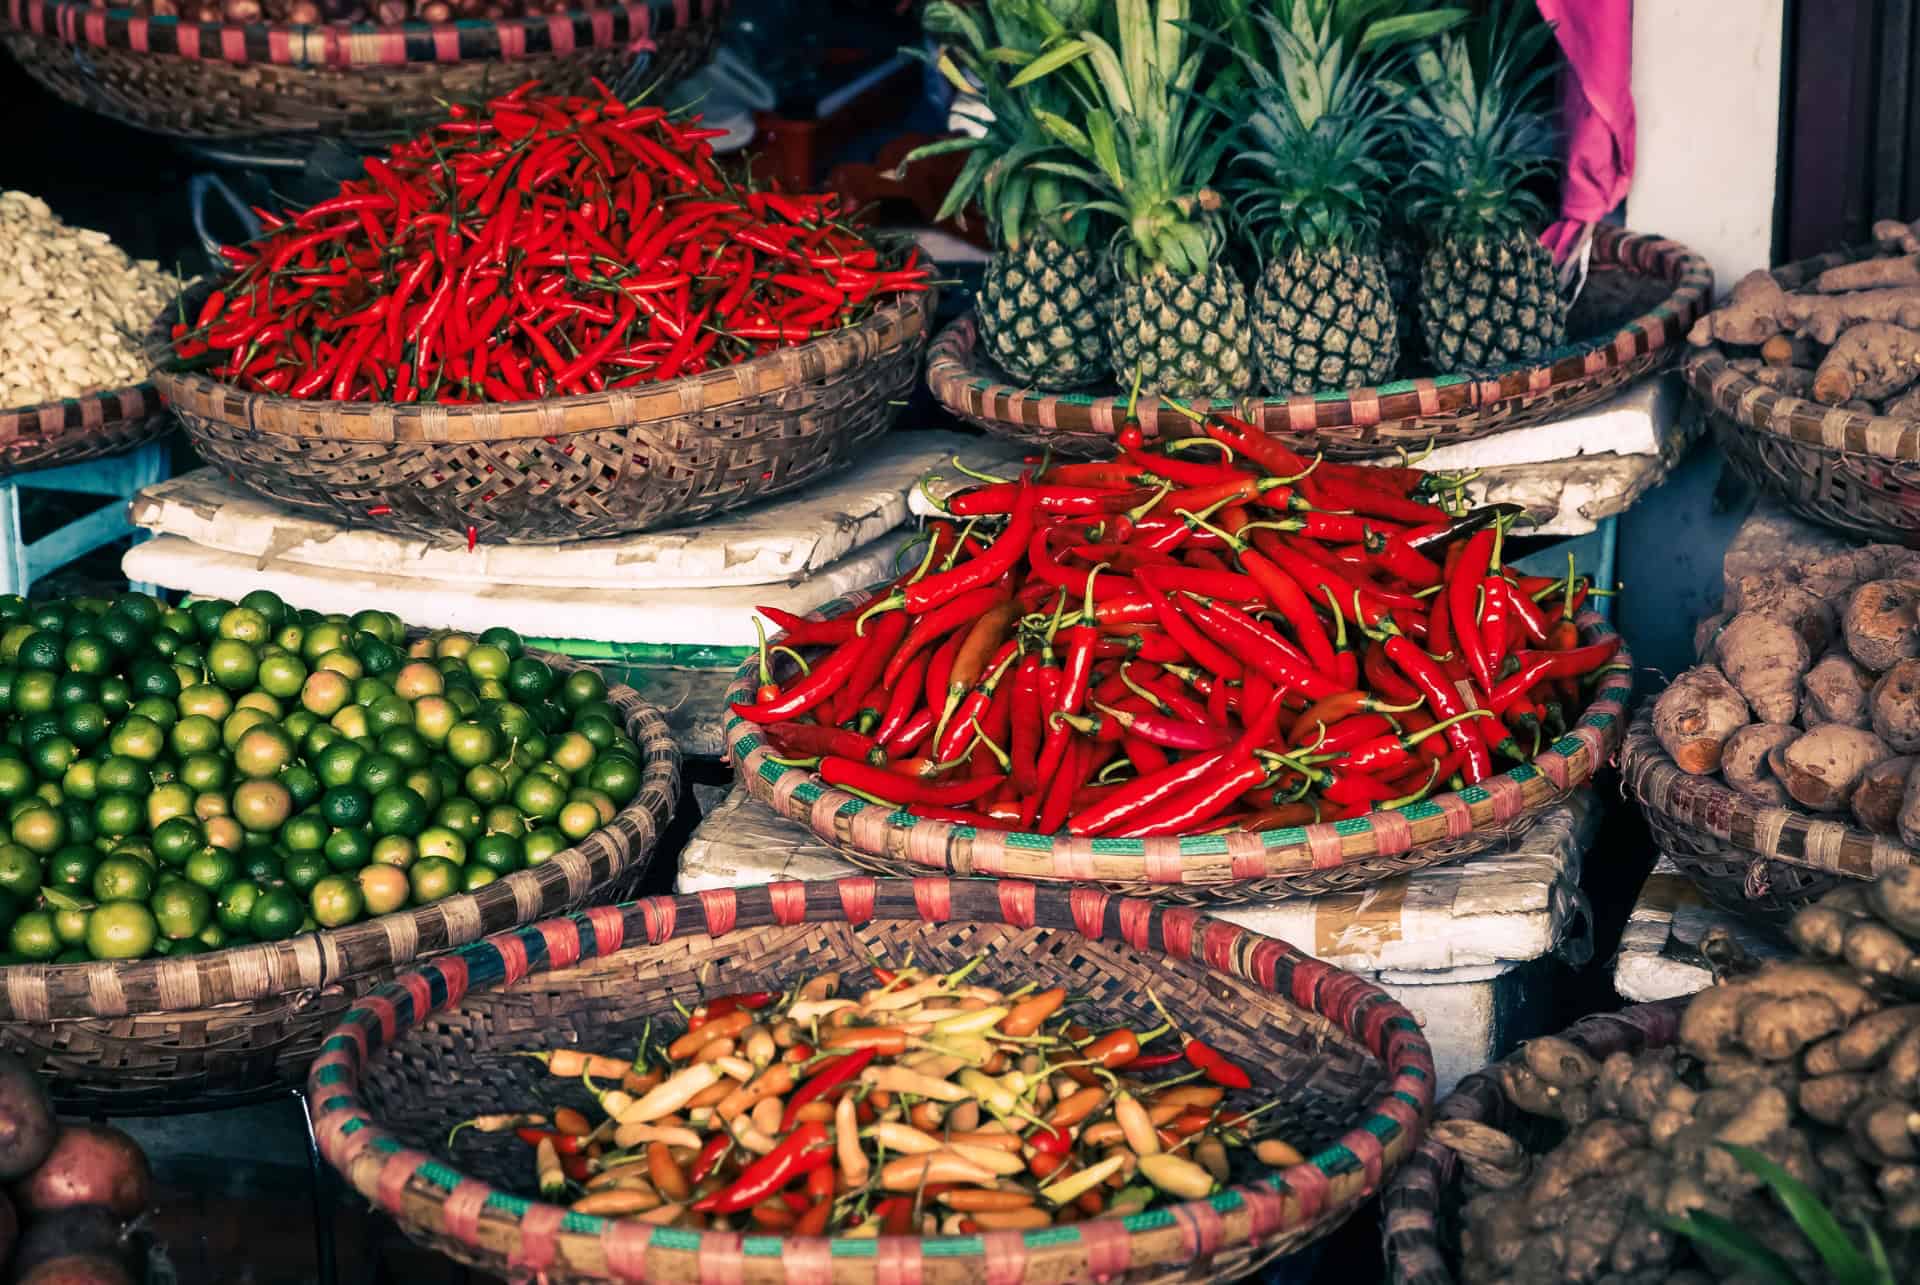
(538, 246)
(1159, 645)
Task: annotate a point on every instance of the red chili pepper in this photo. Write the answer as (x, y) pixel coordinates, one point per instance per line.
(827, 678)
(900, 789)
(1445, 700)
(827, 1077)
(1216, 1066)
(804, 1150)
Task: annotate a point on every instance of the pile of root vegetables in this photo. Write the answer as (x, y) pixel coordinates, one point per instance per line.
(1851, 339)
(1810, 693)
(1812, 1063)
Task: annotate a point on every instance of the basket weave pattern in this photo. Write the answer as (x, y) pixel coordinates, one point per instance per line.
(1855, 473)
(1424, 1198)
(220, 80)
(1300, 861)
(1746, 856)
(77, 429)
(1363, 421)
(1347, 1062)
(569, 468)
(159, 1033)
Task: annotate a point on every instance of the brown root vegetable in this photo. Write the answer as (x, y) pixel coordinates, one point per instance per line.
(1895, 897)
(1835, 690)
(1764, 658)
(1908, 823)
(1882, 789)
(1894, 706)
(1492, 1158)
(1905, 406)
(1758, 309)
(1869, 274)
(1714, 1026)
(1705, 632)
(1694, 717)
(83, 1231)
(1794, 381)
(1878, 951)
(1863, 1045)
(1558, 1063)
(1793, 601)
(1882, 1129)
(1870, 360)
(1786, 350)
(1822, 766)
(1882, 623)
(27, 1125)
(90, 1165)
(1776, 1031)
(1896, 237)
(1743, 760)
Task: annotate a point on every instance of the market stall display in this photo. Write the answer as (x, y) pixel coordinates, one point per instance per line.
(243, 74)
(1764, 1120)
(1107, 580)
(280, 803)
(1661, 952)
(523, 327)
(1344, 1068)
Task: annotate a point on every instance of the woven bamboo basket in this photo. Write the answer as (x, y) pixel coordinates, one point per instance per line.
(1620, 343)
(413, 1058)
(1300, 861)
(569, 468)
(364, 84)
(1749, 858)
(167, 1034)
(1855, 473)
(1421, 1207)
(76, 429)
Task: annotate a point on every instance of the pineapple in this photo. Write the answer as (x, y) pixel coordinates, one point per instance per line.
(1323, 311)
(1176, 320)
(1488, 294)
(1039, 310)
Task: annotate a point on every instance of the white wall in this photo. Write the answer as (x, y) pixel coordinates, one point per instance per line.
(1706, 88)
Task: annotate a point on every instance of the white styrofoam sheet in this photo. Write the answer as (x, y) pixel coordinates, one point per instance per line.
(1642, 420)
(782, 539)
(717, 617)
(1660, 947)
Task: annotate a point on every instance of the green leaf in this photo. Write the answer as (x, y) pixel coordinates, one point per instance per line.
(965, 184)
(944, 18)
(944, 147)
(64, 900)
(1049, 62)
(1113, 80)
(1105, 151)
(1814, 1219)
(1013, 207)
(1733, 1242)
(1409, 27)
(1059, 127)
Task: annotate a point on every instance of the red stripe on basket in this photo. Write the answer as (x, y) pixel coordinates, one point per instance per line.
(1089, 906)
(94, 24)
(933, 899)
(446, 40)
(1248, 854)
(624, 1242)
(806, 1260)
(1263, 961)
(1325, 846)
(789, 902)
(340, 1148)
(1016, 903)
(1310, 1186)
(1454, 808)
(460, 1212)
(1508, 797)
(186, 38)
(856, 898)
(560, 35)
(1392, 832)
(233, 43)
(1341, 996)
(1109, 1247)
(1005, 1255)
(1136, 922)
(1429, 394)
(137, 29)
(454, 969)
(1202, 1229)
(609, 929)
(419, 989)
(513, 958)
(1308, 974)
(392, 1180)
(1553, 766)
(641, 28)
(563, 944)
(1266, 1211)
(383, 1010)
(513, 40)
(719, 1260)
(660, 913)
(1303, 414)
(897, 1261)
(1163, 861)
(1363, 407)
(539, 1237)
(601, 20)
(1176, 931)
(721, 908)
(1365, 1144)
(279, 46)
(1216, 944)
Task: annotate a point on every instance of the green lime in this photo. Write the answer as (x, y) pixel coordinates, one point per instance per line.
(19, 870)
(299, 724)
(379, 656)
(389, 712)
(262, 751)
(316, 741)
(214, 936)
(257, 699)
(574, 752)
(599, 729)
(539, 796)
(406, 745)
(432, 878)
(529, 680)
(151, 677)
(581, 686)
(139, 738)
(540, 845)
(428, 784)
(262, 806)
(462, 816)
(122, 775)
(116, 815)
(438, 841)
(34, 692)
(121, 930)
(206, 700)
(7, 677)
(157, 710)
(394, 850)
(143, 611)
(33, 937)
(42, 649)
(336, 901)
(182, 910)
(474, 878)
(88, 654)
(485, 784)
(304, 833)
(122, 879)
(203, 772)
(578, 820)
(465, 703)
(497, 852)
(385, 888)
(470, 744)
(433, 718)
(12, 606)
(304, 869)
(398, 810)
(504, 818)
(268, 604)
(302, 783)
(224, 832)
(341, 661)
(339, 763)
(116, 694)
(70, 924)
(121, 633)
(17, 779)
(233, 664)
(211, 868)
(52, 756)
(40, 829)
(276, 915)
(194, 734)
(325, 693)
(176, 839)
(351, 722)
(171, 799)
(244, 624)
(85, 723)
(505, 639)
(291, 639)
(282, 676)
(617, 778)
(233, 908)
(206, 614)
(348, 849)
(347, 805)
(320, 639)
(487, 662)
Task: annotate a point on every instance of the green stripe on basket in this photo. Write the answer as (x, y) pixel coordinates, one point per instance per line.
(1121, 847)
(1203, 845)
(762, 1246)
(353, 1126)
(1522, 772)
(505, 1202)
(1048, 1237)
(582, 1224)
(848, 1247)
(675, 1238)
(1147, 1220)
(772, 772)
(1029, 842)
(808, 792)
(332, 1074)
(385, 1146)
(1225, 1202)
(749, 743)
(438, 1174)
(899, 816)
(953, 1247)
(1352, 825)
(852, 808)
(1421, 810)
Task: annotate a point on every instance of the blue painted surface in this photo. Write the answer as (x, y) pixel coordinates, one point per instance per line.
(118, 476)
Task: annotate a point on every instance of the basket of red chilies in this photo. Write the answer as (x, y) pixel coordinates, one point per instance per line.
(1212, 667)
(549, 317)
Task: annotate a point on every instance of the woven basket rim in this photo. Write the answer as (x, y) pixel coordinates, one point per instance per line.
(1169, 862)
(1774, 833)
(1751, 405)
(104, 397)
(344, 46)
(1411, 1205)
(1393, 1121)
(955, 379)
(310, 962)
(902, 321)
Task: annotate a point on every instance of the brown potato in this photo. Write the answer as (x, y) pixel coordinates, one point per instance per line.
(89, 1165)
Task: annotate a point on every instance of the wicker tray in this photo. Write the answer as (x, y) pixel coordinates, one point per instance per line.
(1420, 1209)
(1300, 861)
(570, 468)
(76, 429)
(363, 84)
(1747, 857)
(1348, 1063)
(1629, 271)
(1855, 473)
(168, 1034)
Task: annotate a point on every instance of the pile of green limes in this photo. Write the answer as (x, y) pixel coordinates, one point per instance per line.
(180, 779)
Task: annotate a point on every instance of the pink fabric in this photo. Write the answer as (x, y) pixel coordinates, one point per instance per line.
(1596, 113)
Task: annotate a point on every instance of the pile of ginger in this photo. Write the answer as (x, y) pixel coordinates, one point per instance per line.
(1851, 339)
(1813, 1062)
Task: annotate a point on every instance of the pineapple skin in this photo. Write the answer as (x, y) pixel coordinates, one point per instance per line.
(1039, 314)
(1324, 320)
(1187, 336)
(1489, 302)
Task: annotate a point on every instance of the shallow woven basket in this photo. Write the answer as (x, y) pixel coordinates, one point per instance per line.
(76, 429)
(1348, 1063)
(570, 468)
(1372, 421)
(228, 80)
(1855, 473)
(1420, 1209)
(1300, 861)
(168, 1034)
(1755, 860)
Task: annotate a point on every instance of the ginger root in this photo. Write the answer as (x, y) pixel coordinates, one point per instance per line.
(1870, 274)
(1868, 361)
(1694, 717)
(1897, 237)
(1758, 309)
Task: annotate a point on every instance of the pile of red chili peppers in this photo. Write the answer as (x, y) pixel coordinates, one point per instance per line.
(1215, 633)
(534, 247)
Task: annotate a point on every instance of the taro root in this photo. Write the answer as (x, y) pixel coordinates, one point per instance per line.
(1881, 790)
(1745, 765)
(1882, 623)
(1763, 658)
(1835, 690)
(1694, 717)
(1894, 706)
(1821, 767)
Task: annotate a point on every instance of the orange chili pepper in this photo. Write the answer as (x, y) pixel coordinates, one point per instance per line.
(719, 1028)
